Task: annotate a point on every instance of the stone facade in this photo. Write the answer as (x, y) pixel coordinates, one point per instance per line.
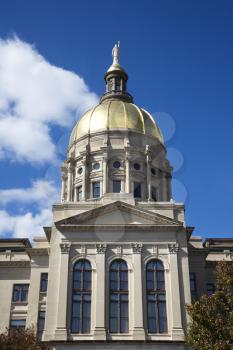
(116, 204)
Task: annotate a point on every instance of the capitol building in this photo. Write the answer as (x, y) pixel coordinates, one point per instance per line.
(118, 264)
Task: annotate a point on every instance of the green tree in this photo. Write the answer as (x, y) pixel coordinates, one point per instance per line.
(17, 339)
(211, 326)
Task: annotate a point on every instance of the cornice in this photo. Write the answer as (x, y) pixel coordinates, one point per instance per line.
(16, 264)
(129, 227)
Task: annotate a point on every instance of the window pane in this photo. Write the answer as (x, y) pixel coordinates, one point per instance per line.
(124, 309)
(44, 282)
(151, 309)
(137, 190)
(119, 299)
(124, 325)
(41, 321)
(156, 302)
(162, 317)
(87, 280)
(86, 325)
(16, 295)
(96, 189)
(113, 325)
(113, 309)
(76, 309)
(81, 311)
(75, 325)
(116, 186)
(152, 325)
(20, 324)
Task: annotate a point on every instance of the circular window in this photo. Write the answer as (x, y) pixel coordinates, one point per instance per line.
(136, 166)
(80, 171)
(116, 164)
(153, 171)
(96, 166)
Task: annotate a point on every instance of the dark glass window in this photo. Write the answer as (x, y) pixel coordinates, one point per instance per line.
(118, 84)
(81, 297)
(154, 194)
(119, 319)
(18, 324)
(116, 186)
(79, 193)
(210, 288)
(116, 164)
(136, 166)
(192, 282)
(44, 282)
(20, 293)
(41, 323)
(153, 171)
(80, 171)
(137, 190)
(96, 189)
(156, 297)
(193, 285)
(96, 166)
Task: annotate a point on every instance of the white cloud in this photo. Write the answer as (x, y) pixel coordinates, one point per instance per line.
(27, 225)
(34, 95)
(42, 193)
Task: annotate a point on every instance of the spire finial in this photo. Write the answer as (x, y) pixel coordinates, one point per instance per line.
(116, 53)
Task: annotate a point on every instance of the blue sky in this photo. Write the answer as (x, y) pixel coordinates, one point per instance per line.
(178, 55)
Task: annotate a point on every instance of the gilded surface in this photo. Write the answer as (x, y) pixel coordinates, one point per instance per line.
(116, 114)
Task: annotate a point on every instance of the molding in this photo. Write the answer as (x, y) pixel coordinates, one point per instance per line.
(15, 264)
(173, 248)
(137, 248)
(101, 248)
(65, 247)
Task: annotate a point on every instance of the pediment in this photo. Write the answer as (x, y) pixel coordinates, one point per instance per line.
(118, 213)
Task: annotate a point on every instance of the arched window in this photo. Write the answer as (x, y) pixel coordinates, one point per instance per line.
(81, 297)
(119, 319)
(156, 297)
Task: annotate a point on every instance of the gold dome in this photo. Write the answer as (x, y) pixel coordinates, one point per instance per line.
(113, 114)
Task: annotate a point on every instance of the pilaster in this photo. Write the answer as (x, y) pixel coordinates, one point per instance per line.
(100, 331)
(138, 327)
(177, 328)
(61, 329)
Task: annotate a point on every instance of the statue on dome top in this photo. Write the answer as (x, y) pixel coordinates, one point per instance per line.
(116, 53)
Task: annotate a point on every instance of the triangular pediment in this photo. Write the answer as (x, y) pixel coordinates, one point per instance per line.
(118, 213)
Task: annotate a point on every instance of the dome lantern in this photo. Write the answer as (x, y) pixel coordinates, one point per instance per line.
(116, 79)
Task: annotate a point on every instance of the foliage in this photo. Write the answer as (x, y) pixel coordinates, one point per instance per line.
(16, 339)
(211, 326)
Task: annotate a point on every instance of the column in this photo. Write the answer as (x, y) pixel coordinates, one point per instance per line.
(164, 186)
(138, 327)
(177, 329)
(69, 183)
(84, 164)
(148, 165)
(61, 329)
(105, 175)
(127, 173)
(100, 331)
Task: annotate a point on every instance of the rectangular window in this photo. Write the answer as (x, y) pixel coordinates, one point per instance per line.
(210, 288)
(41, 323)
(43, 282)
(193, 285)
(116, 186)
(96, 189)
(20, 293)
(18, 324)
(137, 190)
(154, 193)
(79, 193)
